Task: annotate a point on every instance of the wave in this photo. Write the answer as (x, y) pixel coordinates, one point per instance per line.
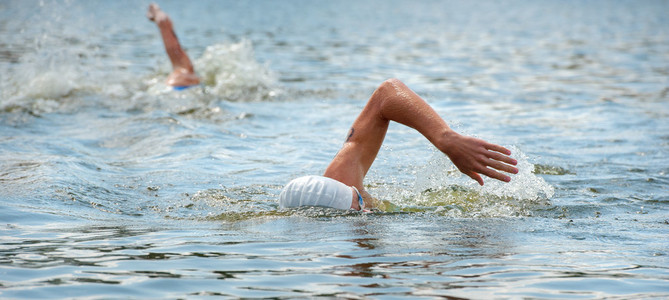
(228, 72)
(440, 186)
(232, 72)
(439, 189)
(56, 81)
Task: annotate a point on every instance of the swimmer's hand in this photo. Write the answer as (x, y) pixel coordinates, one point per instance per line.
(152, 12)
(474, 156)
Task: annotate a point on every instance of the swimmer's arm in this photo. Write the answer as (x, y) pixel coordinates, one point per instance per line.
(472, 156)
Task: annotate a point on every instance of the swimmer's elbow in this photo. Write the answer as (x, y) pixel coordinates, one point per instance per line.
(388, 86)
(391, 83)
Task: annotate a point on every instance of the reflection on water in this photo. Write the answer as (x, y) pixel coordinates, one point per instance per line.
(111, 186)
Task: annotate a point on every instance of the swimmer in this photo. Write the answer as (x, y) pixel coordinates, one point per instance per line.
(341, 186)
(183, 74)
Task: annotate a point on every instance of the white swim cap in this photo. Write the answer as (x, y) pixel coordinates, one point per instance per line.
(316, 191)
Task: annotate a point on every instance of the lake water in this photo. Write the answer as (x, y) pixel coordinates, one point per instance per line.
(113, 187)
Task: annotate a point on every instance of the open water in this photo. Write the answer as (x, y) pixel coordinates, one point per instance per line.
(113, 187)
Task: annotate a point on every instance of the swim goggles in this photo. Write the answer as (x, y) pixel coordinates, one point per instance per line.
(362, 203)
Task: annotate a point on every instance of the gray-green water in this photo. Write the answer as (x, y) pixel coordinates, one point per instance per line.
(111, 187)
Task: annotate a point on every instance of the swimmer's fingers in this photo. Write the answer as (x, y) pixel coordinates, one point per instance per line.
(503, 158)
(497, 161)
(502, 163)
(475, 157)
(502, 167)
(475, 176)
(494, 174)
(152, 11)
(497, 148)
(151, 16)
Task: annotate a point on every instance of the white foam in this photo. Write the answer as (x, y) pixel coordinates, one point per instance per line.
(45, 74)
(231, 71)
(227, 71)
(50, 85)
(440, 182)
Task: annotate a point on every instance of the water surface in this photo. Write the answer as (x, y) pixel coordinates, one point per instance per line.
(113, 187)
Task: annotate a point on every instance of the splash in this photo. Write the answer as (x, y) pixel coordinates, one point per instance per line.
(51, 84)
(439, 184)
(229, 72)
(41, 79)
(232, 72)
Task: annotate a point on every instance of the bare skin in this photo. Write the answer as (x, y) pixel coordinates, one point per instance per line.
(394, 101)
(183, 73)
